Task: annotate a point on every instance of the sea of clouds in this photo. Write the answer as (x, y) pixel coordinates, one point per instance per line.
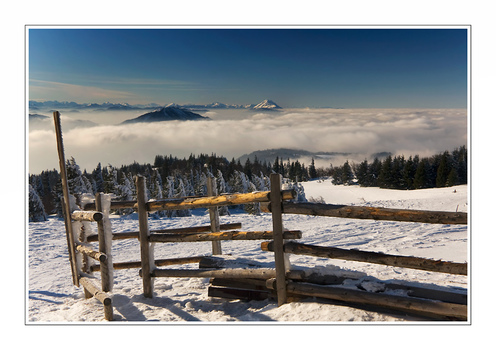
(96, 136)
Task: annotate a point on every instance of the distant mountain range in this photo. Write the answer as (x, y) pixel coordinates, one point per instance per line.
(36, 105)
(166, 114)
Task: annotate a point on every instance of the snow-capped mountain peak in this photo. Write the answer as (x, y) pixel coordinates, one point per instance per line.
(267, 104)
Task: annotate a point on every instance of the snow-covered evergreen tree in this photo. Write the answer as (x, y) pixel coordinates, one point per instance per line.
(221, 189)
(98, 178)
(156, 190)
(180, 193)
(78, 183)
(170, 192)
(297, 187)
(36, 209)
(222, 186)
(123, 191)
(109, 179)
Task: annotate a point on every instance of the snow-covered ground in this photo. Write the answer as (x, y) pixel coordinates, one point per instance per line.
(53, 299)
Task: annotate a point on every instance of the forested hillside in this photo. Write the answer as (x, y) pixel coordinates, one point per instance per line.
(172, 177)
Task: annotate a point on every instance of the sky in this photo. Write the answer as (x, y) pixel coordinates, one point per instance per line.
(374, 67)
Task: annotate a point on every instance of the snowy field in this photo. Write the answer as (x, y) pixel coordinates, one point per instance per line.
(53, 299)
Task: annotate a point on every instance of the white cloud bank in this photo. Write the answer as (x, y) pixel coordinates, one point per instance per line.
(361, 131)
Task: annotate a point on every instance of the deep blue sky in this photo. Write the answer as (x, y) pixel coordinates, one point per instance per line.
(418, 68)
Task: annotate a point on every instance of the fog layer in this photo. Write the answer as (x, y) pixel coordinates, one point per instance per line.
(233, 133)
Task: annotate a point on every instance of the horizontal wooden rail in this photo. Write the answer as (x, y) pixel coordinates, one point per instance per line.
(195, 229)
(113, 205)
(91, 253)
(158, 262)
(371, 257)
(220, 236)
(375, 213)
(80, 215)
(99, 295)
(199, 202)
(215, 201)
(424, 307)
(214, 273)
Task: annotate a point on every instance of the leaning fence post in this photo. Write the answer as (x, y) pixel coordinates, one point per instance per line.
(144, 233)
(276, 208)
(214, 216)
(66, 206)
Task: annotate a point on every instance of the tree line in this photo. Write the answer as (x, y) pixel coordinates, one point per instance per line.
(167, 177)
(173, 177)
(441, 170)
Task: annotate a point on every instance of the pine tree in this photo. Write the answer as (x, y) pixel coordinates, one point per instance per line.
(397, 172)
(347, 174)
(181, 193)
(277, 167)
(109, 174)
(421, 175)
(374, 171)
(443, 170)
(312, 171)
(409, 173)
(171, 192)
(98, 177)
(77, 185)
(385, 175)
(247, 169)
(452, 178)
(222, 188)
(361, 173)
(36, 209)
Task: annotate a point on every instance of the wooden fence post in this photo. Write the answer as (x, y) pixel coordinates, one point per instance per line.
(144, 237)
(66, 205)
(102, 246)
(214, 216)
(276, 206)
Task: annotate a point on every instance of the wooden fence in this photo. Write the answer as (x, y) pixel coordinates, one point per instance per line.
(281, 280)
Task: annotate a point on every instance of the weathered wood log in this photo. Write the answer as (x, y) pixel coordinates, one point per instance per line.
(88, 251)
(227, 261)
(216, 201)
(113, 205)
(195, 229)
(214, 216)
(212, 273)
(418, 306)
(456, 297)
(158, 262)
(80, 215)
(429, 293)
(375, 213)
(237, 293)
(221, 236)
(99, 295)
(371, 257)
(66, 206)
(146, 258)
(240, 283)
(277, 226)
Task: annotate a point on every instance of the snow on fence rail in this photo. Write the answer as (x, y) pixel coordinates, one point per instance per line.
(281, 280)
